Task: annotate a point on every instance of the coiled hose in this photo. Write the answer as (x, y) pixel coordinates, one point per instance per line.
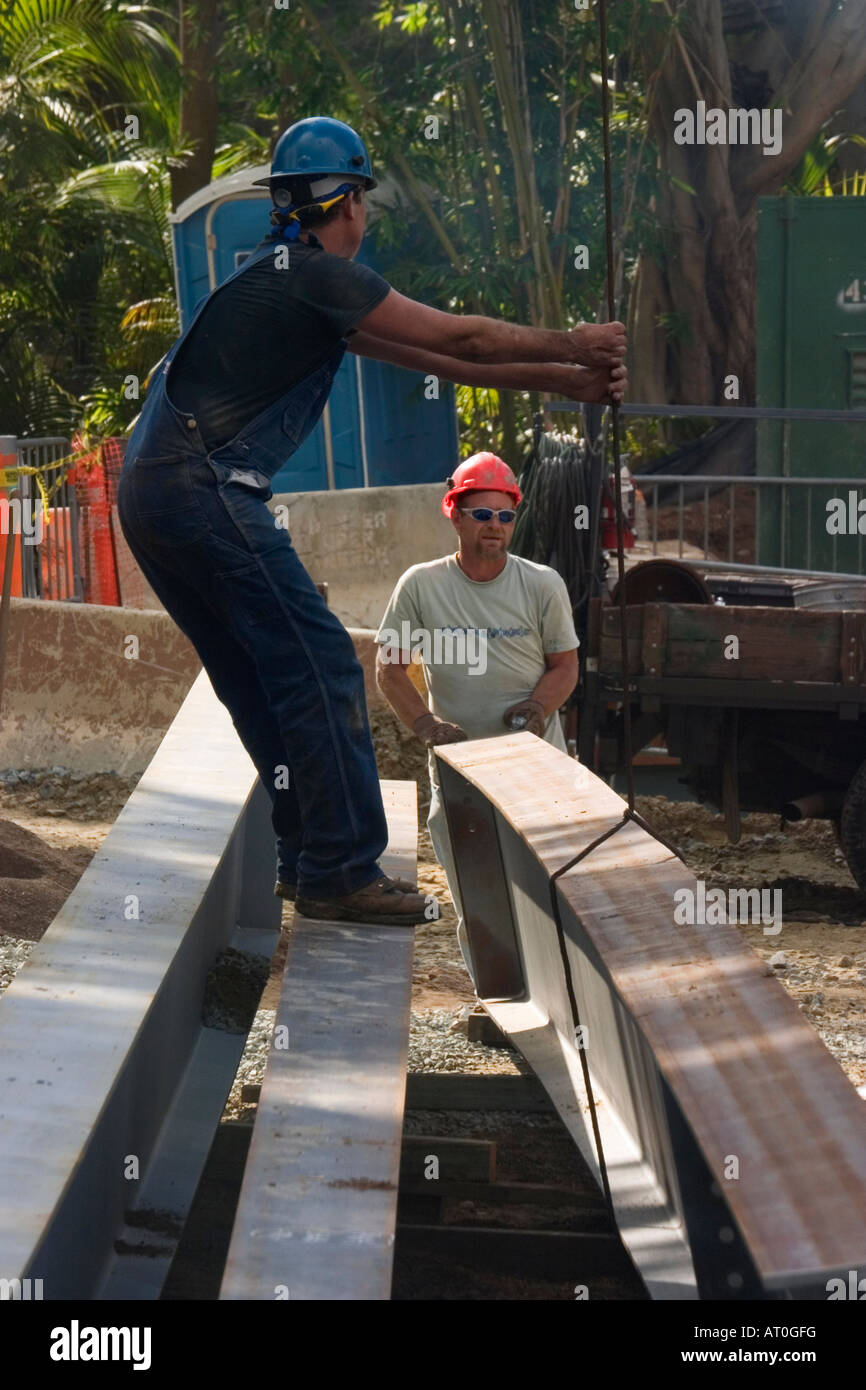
(555, 481)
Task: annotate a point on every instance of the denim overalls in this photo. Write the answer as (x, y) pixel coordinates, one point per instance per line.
(282, 663)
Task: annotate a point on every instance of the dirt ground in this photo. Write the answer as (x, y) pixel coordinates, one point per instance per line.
(823, 936)
(716, 519)
(47, 837)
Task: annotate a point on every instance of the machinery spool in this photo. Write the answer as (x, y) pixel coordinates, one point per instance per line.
(664, 581)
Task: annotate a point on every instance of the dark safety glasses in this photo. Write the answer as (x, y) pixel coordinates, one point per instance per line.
(487, 514)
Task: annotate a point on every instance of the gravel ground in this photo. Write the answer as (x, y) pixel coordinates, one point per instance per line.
(434, 1045)
(252, 1064)
(57, 791)
(56, 819)
(13, 954)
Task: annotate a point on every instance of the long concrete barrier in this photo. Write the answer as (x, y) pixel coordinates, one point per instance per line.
(94, 688)
(90, 687)
(731, 1142)
(360, 540)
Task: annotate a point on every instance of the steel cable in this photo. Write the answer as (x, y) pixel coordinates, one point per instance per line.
(538, 470)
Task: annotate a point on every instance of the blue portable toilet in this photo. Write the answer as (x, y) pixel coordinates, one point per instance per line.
(377, 428)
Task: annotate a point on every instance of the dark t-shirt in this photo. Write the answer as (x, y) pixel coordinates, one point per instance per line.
(266, 330)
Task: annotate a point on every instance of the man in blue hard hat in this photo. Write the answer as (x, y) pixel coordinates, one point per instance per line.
(234, 397)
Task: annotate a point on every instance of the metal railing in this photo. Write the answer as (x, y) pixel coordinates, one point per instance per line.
(792, 498)
(780, 523)
(50, 569)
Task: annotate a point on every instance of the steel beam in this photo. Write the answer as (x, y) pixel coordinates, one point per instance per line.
(732, 1142)
(317, 1211)
(111, 1087)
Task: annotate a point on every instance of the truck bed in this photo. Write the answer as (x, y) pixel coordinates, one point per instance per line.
(703, 653)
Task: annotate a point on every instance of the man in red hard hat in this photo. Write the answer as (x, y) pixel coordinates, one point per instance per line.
(494, 633)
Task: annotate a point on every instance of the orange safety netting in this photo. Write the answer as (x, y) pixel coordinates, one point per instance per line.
(94, 475)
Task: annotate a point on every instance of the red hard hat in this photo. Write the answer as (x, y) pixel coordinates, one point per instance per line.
(480, 473)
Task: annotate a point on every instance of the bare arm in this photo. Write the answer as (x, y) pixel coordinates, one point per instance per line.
(474, 338)
(393, 680)
(519, 376)
(558, 681)
(578, 383)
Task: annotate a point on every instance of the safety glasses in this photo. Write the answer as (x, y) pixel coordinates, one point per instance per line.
(506, 516)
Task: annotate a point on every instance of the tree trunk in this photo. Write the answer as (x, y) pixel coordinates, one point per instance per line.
(647, 340)
(505, 36)
(198, 99)
(704, 288)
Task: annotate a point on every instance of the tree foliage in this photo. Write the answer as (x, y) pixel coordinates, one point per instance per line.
(487, 115)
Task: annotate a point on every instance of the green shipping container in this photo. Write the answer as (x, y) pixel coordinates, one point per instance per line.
(812, 353)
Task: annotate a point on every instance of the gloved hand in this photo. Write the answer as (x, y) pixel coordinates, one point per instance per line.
(531, 712)
(432, 730)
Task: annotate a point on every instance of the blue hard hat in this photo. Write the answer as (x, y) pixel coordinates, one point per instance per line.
(320, 145)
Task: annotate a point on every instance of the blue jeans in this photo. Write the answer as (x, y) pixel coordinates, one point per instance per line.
(196, 521)
(277, 658)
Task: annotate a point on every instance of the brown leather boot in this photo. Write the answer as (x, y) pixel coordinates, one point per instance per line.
(380, 903)
(290, 890)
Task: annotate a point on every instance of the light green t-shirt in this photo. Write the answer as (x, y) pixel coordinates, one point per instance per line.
(482, 643)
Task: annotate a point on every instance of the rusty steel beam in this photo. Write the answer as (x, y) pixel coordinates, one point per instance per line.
(731, 1142)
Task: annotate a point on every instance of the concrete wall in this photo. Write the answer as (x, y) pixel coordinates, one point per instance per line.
(71, 697)
(358, 541)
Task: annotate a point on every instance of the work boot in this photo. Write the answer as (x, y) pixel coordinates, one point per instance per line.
(380, 904)
(282, 889)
